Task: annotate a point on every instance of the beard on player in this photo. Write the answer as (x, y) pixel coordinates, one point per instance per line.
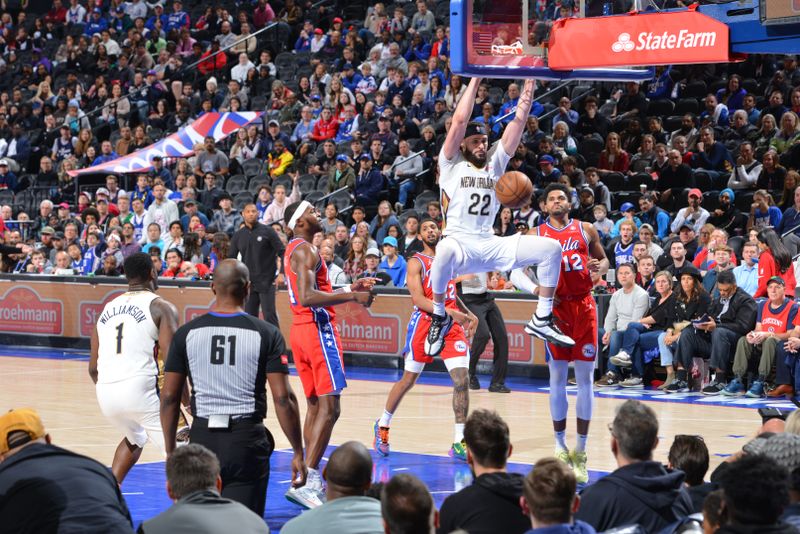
(476, 156)
(430, 238)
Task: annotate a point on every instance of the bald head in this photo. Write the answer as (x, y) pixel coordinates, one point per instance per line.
(231, 281)
(349, 469)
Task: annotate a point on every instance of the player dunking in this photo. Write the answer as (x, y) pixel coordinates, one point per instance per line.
(455, 354)
(468, 171)
(576, 312)
(314, 340)
(123, 365)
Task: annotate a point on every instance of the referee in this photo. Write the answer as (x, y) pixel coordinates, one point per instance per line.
(260, 248)
(228, 356)
(476, 297)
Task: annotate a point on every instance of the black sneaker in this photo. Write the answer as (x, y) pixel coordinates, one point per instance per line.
(545, 328)
(473, 382)
(677, 386)
(440, 326)
(499, 388)
(714, 388)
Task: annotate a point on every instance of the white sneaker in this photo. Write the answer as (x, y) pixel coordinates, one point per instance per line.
(306, 497)
(632, 382)
(621, 359)
(545, 328)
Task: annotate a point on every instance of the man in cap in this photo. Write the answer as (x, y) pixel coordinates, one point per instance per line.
(693, 215)
(369, 182)
(548, 173)
(46, 488)
(775, 323)
(226, 218)
(8, 180)
(341, 175)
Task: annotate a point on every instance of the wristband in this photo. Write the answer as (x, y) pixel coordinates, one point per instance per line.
(346, 289)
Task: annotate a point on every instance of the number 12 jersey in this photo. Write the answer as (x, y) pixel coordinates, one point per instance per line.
(575, 279)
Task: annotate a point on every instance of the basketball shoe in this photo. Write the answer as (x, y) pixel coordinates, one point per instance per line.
(309, 496)
(459, 451)
(545, 328)
(381, 441)
(564, 456)
(440, 326)
(578, 461)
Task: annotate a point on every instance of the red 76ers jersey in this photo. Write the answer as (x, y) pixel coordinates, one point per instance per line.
(450, 295)
(575, 279)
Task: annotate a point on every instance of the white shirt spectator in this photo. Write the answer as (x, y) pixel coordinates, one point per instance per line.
(625, 308)
(239, 72)
(684, 216)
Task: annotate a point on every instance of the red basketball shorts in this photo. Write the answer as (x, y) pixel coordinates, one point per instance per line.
(577, 318)
(455, 342)
(317, 352)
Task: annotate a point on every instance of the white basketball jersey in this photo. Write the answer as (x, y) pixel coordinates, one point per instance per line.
(469, 202)
(128, 336)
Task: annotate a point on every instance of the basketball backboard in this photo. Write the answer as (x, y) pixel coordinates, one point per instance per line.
(507, 39)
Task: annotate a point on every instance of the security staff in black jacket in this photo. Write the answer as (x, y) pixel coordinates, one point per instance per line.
(260, 248)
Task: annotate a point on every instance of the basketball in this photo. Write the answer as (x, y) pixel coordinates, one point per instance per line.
(513, 189)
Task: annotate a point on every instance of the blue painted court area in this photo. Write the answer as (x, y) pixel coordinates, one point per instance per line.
(522, 384)
(145, 492)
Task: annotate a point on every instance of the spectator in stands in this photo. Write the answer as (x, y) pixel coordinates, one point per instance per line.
(406, 168)
(747, 170)
(211, 160)
(775, 323)
(727, 216)
(341, 175)
(711, 156)
(628, 211)
(492, 502)
(730, 316)
(640, 491)
(346, 509)
(631, 105)
(621, 251)
(690, 455)
(704, 258)
(369, 182)
(601, 193)
(372, 259)
(549, 499)
(381, 222)
(80, 493)
(162, 211)
(715, 114)
(153, 238)
(673, 178)
(789, 133)
(326, 126)
(692, 215)
(747, 272)
(722, 262)
(226, 219)
(774, 260)
(627, 305)
(393, 264)
(592, 123)
(651, 214)
(755, 491)
(763, 212)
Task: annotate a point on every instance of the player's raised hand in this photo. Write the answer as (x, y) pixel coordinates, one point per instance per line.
(363, 284)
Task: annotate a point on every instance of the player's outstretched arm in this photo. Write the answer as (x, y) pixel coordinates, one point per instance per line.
(304, 263)
(288, 413)
(598, 261)
(513, 132)
(458, 128)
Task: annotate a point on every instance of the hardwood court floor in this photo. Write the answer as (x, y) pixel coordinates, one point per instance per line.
(61, 390)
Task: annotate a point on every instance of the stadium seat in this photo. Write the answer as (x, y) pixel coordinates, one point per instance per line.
(614, 181)
(421, 202)
(236, 184)
(673, 123)
(314, 196)
(241, 200)
(703, 181)
(252, 167)
(285, 181)
(6, 197)
(621, 197)
(696, 89)
(635, 181)
(744, 200)
(660, 108)
(687, 105)
(590, 148)
(737, 244)
(307, 183)
(710, 200)
(257, 182)
(403, 217)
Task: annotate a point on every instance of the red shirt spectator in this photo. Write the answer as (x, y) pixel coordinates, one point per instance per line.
(326, 127)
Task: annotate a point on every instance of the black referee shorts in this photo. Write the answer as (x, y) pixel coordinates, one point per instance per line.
(243, 451)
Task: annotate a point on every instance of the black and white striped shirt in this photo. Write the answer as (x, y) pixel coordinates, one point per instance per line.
(227, 358)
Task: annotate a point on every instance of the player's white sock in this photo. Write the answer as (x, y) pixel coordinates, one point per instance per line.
(544, 306)
(313, 480)
(561, 440)
(580, 446)
(438, 309)
(386, 419)
(458, 432)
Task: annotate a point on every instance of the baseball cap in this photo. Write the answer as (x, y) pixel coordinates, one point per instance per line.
(20, 420)
(373, 252)
(647, 226)
(58, 235)
(315, 98)
(337, 19)
(74, 103)
(157, 157)
(776, 280)
(64, 205)
(627, 206)
(273, 122)
(365, 155)
(347, 66)
(389, 240)
(3, 162)
(97, 10)
(190, 202)
(341, 157)
(695, 192)
(102, 191)
(120, 9)
(475, 128)
(587, 189)
(151, 72)
(49, 230)
(687, 226)
(383, 118)
(318, 31)
(547, 159)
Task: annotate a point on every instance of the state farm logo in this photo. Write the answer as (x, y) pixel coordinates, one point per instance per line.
(363, 331)
(664, 41)
(23, 311)
(90, 310)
